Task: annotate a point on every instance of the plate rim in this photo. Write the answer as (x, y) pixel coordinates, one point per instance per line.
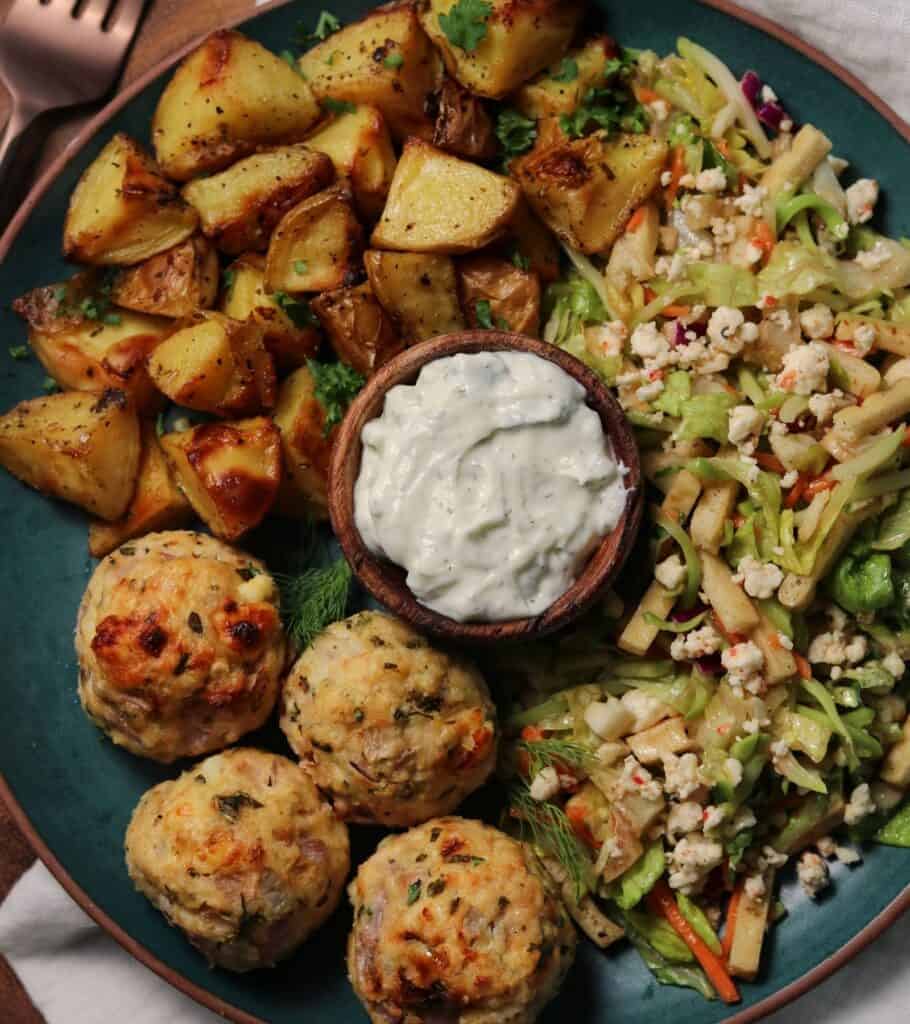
(790, 992)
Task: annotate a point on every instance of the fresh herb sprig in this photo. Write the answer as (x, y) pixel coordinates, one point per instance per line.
(465, 24)
(297, 310)
(314, 599)
(336, 386)
(516, 133)
(558, 754)
(327, 24)
(609, 107)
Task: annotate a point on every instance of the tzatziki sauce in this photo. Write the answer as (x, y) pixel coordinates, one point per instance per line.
(490, 481)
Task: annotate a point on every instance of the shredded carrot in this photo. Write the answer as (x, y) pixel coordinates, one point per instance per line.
(676, 311)
(796, 491)
(532, 733)
(769, 461)
(723, 147)
(650, 294)
(819, 484)
(636, 220)
(645, 95)
(802, 666)
(738, 520)
(906, 441)
(764, 237)
(577, 815)
(732, 911)
(677, 170)
(661, 902)
(730, 637)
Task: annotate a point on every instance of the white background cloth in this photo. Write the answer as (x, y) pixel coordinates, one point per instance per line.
(77, 975)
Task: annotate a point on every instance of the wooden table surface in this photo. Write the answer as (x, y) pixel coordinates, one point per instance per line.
(168, 25)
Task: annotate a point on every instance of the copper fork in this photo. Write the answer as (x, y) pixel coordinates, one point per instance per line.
(55, 54)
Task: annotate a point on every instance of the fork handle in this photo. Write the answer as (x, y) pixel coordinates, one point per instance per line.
(19, 149)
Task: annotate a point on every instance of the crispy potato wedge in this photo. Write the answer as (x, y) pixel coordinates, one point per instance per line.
(550, 95)
(419, 292)
(122, 210)
(239, 208)
(225, 100)
(317, 246)
(290, 330)
(96, 353)
(513, 294)
(359, 145)
(229, 472)
(361, 332)
(174, 283)
(585, 190)
(306, 448)
(463, 124)
(440, 203)
(354, 65)
(522, 37)
(530, 242)
(157, 504)
(216, 364)
(76, 446)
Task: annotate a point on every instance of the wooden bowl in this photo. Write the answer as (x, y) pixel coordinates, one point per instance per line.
(386, 581)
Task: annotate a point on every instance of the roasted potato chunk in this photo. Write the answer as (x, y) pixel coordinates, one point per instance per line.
(359, 146)
(522, 37)
(306, 447)
(361, 332)
(174, 283)
(229, 472)
(216, 364)
(439, 203)
(239, 208)
(532, 245)
(317, 246)
(549, 96)
(225, 100)
(79, 447)
(510, 297)
(122, 210)
(157, 504)
(289, 327)
(463, 125)
(86, 346)
(353, 65)
(586, 189)
(419, 292)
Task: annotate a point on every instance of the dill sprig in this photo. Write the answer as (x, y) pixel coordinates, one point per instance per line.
(558, 754)
(314, 599)
(545, 825)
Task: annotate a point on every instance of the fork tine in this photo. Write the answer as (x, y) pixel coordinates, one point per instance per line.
(94, 11)
(125, 15)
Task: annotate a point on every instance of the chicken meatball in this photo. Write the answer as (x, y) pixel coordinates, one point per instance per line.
(180, 645)
(391, 730)
(451, 924)
(242, 853)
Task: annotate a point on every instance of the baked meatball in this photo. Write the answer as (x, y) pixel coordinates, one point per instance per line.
(450, 924)
(242, 853)
(391, 730)
(180, 645)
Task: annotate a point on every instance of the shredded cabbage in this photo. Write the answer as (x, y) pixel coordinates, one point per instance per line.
(722, 284)
(637, 881)
(693, 563)
(706, 416)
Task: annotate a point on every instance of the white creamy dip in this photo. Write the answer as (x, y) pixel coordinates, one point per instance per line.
(490, 481)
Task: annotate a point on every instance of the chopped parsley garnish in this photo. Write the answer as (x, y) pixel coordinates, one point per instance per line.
(465, 25)
(326, 24)
(228, 277)
(339, 106)
(288, 58)
(414, 890)
(484, 313)
(160, 426)
(336, 386)
(520, 260)
(18, 352)
(515, 132)
(301, 266)
(394, 61)
(314, 599)
(568, 71)
(231, 806)
(296, 310)
(49, 386)
(610, 107)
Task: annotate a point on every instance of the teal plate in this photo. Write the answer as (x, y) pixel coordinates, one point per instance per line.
(72, 792)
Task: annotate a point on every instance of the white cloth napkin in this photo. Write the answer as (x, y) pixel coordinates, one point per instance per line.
(75, 974)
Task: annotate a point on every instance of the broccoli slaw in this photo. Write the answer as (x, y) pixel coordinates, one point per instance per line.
(671, 755)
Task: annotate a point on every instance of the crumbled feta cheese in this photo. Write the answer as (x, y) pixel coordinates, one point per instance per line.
(673, 268)
(812, 872)
(692, 860)
(647, 342)
(733, 769)
(828, 649)
(759, 579)
(856, 649)
(785, 641)
(872, 259)
(744, 662)
(837, 617)
(713, 180)
(755, 888)
(660, 110)
(698, 643)
(805, 369)
(744, 422)
(682, 775)
(782, 318)
(608, 338)
(893, 663)
(860, 805)
(861, 199)
(714, 817)
(752, 200)
(724, 231)
(684, 818)
(609, 719)
(752, 254)
(646, 710)
(648, 392)
(666, 179)
(818, 322)
(768, 95)
(823, 407)
(847, 855)
(743, 819)
(687, 181)
(864, 338)
(545, 785)
(789, 479)
(637, 779)
(670, 573)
